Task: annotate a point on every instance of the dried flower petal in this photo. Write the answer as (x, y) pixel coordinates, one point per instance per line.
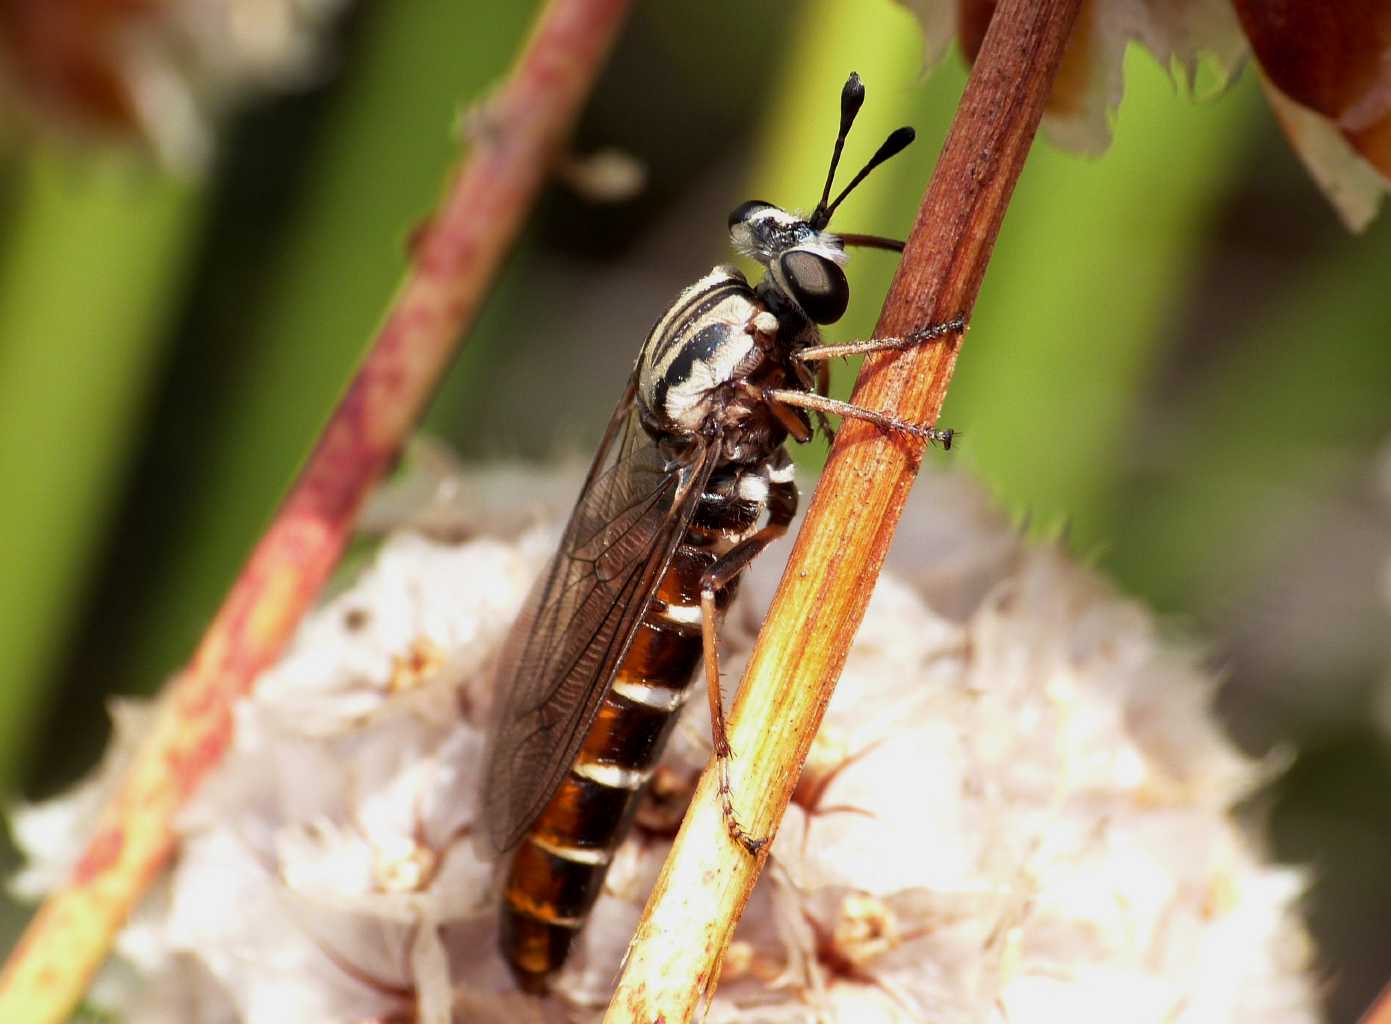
(1328, 69)
(1181, 34)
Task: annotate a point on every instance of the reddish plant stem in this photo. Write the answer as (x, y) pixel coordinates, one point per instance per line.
(454, 259)
(675, 957)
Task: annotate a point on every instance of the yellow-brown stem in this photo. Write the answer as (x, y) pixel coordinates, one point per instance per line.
(675, 957)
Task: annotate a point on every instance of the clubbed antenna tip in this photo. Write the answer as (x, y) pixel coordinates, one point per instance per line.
(852, 98)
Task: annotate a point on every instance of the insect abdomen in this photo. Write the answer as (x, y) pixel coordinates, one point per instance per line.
(559, 868)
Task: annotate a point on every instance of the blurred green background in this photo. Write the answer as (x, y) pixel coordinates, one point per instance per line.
(1178, 354)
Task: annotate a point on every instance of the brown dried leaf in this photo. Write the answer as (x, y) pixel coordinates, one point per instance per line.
(1334, 59)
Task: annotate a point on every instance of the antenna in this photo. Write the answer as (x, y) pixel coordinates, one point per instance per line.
(896, 143)
(870, 241)
(852, 97)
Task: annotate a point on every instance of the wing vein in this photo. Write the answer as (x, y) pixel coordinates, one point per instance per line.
(582, 614)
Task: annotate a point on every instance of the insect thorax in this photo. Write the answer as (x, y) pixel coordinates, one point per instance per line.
(720, 331)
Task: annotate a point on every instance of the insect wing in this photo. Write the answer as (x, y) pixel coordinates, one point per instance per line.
(582, 614)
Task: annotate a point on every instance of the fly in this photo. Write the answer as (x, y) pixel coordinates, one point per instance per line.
(692, 481)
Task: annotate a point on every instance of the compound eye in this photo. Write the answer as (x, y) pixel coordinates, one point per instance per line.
(817, 284)
(744, 211)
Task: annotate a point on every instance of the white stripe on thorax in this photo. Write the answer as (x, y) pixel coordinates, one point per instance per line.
(718, 277)
(685, 397)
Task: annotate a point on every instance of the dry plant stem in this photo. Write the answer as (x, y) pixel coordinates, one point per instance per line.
(675, 957)
(454, 259)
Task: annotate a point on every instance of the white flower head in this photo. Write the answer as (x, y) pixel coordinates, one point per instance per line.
(1018, 807)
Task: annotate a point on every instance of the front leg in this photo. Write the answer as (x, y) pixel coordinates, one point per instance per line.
(794, 421)
(885, 422)
(823, 388)
(922, 336)
(764, 327)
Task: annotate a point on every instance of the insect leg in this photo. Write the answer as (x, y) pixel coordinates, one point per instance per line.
(823, 388)
(782, 506)
(956, 325)
(794, 421)
(820, 403)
